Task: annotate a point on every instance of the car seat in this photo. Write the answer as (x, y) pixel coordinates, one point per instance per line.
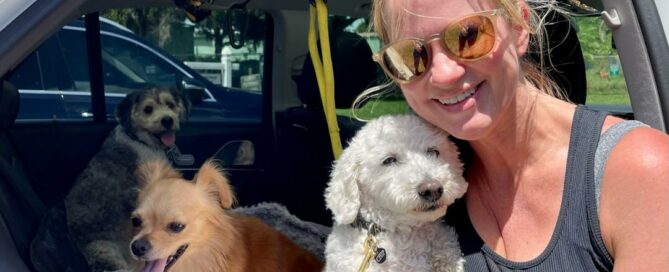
(563, 62)
(20, 208)
(31, 238)
(303, 133)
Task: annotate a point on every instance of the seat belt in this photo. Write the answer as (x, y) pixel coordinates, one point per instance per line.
(318, 18)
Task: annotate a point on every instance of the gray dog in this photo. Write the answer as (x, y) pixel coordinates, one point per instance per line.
(98, 206)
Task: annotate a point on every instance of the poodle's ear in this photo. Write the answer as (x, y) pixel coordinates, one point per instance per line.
(342, 195)
(155, 170)
(212, 180)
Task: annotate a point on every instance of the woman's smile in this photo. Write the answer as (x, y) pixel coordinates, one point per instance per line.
(462, 101)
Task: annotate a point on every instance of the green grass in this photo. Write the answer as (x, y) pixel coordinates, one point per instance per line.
(378, 107)
(611, 90)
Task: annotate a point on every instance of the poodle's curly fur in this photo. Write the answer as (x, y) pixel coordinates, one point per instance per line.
(385, 177)
(99, 204)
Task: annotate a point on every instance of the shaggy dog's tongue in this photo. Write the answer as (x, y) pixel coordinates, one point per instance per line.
(168, 138)
(155, 266)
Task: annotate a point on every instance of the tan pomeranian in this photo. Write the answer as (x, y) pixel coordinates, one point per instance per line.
(183, 225)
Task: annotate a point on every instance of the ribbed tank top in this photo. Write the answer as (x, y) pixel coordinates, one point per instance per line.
(576, 243)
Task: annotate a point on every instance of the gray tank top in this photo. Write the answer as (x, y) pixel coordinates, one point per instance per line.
(576, 243)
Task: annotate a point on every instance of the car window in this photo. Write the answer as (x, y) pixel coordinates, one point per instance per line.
(604, 74)
(204, 46)
(225, 83)
(232, 76)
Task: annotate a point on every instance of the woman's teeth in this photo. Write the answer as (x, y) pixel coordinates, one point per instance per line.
(459, 98)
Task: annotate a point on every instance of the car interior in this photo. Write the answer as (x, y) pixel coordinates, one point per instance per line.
(40, 159)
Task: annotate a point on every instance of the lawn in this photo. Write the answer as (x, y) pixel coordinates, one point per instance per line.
(607, 90)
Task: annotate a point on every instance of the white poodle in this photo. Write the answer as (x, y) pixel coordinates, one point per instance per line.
(392, 185)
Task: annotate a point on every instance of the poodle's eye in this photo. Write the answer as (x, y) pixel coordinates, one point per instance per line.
(148, 110)
(432, 151)
(136, 221)
(170, 105)
(390, 160)
(176, 227)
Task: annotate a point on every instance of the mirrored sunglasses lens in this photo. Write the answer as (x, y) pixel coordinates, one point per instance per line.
(470, 38)
(405, 60)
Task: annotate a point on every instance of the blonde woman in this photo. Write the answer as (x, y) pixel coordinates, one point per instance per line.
(552, 186)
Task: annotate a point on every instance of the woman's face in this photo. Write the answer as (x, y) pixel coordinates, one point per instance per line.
(466, 99)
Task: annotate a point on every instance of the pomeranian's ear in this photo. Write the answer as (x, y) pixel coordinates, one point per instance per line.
(342, 195)
(212, 180)
(154, 170)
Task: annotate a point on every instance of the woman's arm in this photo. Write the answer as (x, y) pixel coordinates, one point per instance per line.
(634, 214)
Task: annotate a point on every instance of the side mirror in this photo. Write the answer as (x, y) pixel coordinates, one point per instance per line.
(196, 91)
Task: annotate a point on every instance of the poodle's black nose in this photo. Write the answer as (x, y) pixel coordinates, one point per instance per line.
(140, 247)
(167, 122)
(430, 191)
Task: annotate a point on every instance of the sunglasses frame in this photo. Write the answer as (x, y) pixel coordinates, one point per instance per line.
(378, 56)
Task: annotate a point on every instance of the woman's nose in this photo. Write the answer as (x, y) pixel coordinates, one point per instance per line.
(444, 70)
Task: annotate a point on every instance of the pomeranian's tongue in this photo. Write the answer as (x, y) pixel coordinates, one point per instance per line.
(155, 265)
(168, 138)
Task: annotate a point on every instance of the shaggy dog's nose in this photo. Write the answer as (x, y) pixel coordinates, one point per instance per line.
(167, 122)
(430, 191)
(140, 247)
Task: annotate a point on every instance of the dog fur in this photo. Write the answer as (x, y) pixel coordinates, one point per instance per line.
(174, 213)
(103, 196)
(379, 179)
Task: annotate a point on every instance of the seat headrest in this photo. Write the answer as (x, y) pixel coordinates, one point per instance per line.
(354, 71)
(564, 62)
(9, 105)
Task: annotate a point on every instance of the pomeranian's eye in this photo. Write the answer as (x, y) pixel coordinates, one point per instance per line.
(136, 221)
(148, 110)
(389, 160)
(432, 151)
(170, 105)
(176, 227)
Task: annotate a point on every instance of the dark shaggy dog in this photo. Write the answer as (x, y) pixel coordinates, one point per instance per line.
(100, 203)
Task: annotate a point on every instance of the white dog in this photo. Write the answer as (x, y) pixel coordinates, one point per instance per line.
(388, 192)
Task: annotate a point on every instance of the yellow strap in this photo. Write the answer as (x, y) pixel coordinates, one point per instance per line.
(323, 70)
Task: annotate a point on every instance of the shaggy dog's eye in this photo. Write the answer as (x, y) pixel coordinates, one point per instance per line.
(390, 160)
(136, 221)
(176, 227)
(170, 105)
(432, 151)
(148, 110)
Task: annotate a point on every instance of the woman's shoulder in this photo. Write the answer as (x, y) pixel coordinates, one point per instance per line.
(634, 195)
(641, 152)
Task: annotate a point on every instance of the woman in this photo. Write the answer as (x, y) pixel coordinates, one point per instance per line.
(539, 198)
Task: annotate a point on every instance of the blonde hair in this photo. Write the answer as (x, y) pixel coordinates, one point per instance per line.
(532, 21)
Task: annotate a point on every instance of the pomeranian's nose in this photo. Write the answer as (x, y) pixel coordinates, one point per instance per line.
(140, 247)
(430, 191)
(167, 122)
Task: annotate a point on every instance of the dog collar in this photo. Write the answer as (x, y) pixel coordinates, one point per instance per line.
(371, 227)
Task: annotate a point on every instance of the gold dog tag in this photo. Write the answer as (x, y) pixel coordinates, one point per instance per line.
(370, 251)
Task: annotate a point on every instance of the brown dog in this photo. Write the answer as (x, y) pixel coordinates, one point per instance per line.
(184, 225)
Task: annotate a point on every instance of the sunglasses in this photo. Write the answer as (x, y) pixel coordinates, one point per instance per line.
(469, 38)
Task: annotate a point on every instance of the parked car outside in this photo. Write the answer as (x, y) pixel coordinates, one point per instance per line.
(54, 81)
